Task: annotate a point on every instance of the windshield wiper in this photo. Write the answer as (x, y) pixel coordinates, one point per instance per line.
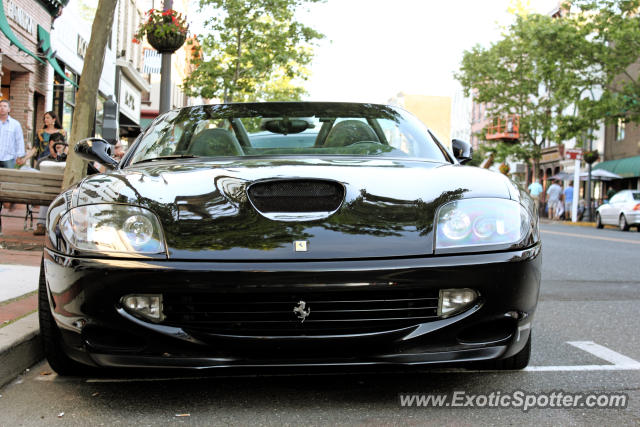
(175, 156)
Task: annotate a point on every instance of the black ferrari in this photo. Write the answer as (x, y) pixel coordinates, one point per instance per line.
(288, 234)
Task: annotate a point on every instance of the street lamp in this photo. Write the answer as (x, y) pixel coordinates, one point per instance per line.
(165, 73)
(588, 213)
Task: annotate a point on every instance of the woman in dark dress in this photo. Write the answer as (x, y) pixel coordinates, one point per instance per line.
(51, 125)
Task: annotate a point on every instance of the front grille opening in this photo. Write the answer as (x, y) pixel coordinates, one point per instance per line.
(296, 196)
(488, 332)
(271, 314)
(110, 340)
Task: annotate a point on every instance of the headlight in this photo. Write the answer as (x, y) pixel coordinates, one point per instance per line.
(113, 228)
(471, 223)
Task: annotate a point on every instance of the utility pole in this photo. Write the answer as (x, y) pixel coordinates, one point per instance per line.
(165, 74)
(588, 212)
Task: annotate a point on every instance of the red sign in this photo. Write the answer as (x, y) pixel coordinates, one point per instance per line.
(573, 153)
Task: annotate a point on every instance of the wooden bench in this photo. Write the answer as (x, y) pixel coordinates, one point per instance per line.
(28, 187)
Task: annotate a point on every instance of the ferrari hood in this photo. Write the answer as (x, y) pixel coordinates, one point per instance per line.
(377, 208)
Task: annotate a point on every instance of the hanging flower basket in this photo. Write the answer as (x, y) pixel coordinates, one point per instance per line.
(167, 43)
(504, 168)
(590, 156)
(166, 30)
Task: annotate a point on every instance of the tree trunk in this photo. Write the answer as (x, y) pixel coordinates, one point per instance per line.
(84, 113)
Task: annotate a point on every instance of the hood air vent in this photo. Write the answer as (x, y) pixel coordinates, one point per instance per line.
(296, 200)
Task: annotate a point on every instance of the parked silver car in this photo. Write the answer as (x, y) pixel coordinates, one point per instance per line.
(622, 210)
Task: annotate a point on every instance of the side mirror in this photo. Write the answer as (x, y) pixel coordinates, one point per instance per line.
(462, 151)
(96, 150)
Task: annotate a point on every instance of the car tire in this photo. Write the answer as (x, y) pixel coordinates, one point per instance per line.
(622, 223)
(598, 221)
(50, 334)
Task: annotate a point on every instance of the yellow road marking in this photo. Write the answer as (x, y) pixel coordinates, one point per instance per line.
(611, 239)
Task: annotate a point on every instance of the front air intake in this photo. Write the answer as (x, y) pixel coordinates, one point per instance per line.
(296, 196)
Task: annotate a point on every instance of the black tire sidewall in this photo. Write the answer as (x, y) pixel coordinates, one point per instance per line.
(50, 335)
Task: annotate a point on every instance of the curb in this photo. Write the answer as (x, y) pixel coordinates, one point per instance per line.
(20, 347)
(574, 224)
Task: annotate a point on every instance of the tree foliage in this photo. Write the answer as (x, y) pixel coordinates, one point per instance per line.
(560, 75)
(255, 50)
(614, 27)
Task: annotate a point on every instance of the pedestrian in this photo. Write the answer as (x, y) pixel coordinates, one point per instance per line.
(12, 150)
(610, 193)
(553, 198)
(535, 189)
(43, 143)
(568, 200)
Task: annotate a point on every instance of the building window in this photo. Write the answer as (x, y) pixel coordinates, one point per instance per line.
(69, 100)
(620, 125)
(64, 98)
(99, 116)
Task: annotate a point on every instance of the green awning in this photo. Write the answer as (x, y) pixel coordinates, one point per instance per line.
(628, 167)
(8, 32)
(44, 42)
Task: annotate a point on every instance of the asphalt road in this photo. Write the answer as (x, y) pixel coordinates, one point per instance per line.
(586, 341)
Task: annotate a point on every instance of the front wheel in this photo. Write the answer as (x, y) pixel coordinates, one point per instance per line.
(622, 223)
(51, 338)
(598, 221)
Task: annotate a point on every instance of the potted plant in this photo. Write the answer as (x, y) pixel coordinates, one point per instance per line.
(166, 30)
(590, 156)
(504, 168)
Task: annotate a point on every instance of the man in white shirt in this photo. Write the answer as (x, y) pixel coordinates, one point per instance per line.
(535, 189)
(553, 198)
(11, 138)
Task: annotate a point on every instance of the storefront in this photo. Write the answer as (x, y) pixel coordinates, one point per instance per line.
(25, 67)
(628, 168)
(70, 42)
(131, 85)
(550, 163)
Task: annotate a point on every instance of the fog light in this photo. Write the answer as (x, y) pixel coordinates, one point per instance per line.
(148, 306)
(454, 301)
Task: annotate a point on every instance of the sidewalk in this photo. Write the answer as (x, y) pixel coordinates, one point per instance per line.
(20, 255)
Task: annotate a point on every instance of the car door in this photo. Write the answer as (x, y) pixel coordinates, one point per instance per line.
(616, 204)
(607, 211)
(627, 204)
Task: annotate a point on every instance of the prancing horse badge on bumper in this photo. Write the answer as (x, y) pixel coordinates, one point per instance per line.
(300, 245)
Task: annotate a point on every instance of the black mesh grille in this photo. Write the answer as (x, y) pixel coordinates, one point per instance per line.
(271, 314)
(296, 196)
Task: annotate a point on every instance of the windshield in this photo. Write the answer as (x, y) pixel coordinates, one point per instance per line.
(286, 129)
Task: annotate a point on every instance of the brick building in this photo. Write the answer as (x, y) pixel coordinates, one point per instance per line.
(24, 71)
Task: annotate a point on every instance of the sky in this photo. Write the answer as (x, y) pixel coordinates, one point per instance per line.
(375, 49)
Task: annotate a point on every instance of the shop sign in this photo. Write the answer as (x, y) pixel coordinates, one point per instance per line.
(130, 101)
(81, 49)
(573, 154)
(20, 17)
